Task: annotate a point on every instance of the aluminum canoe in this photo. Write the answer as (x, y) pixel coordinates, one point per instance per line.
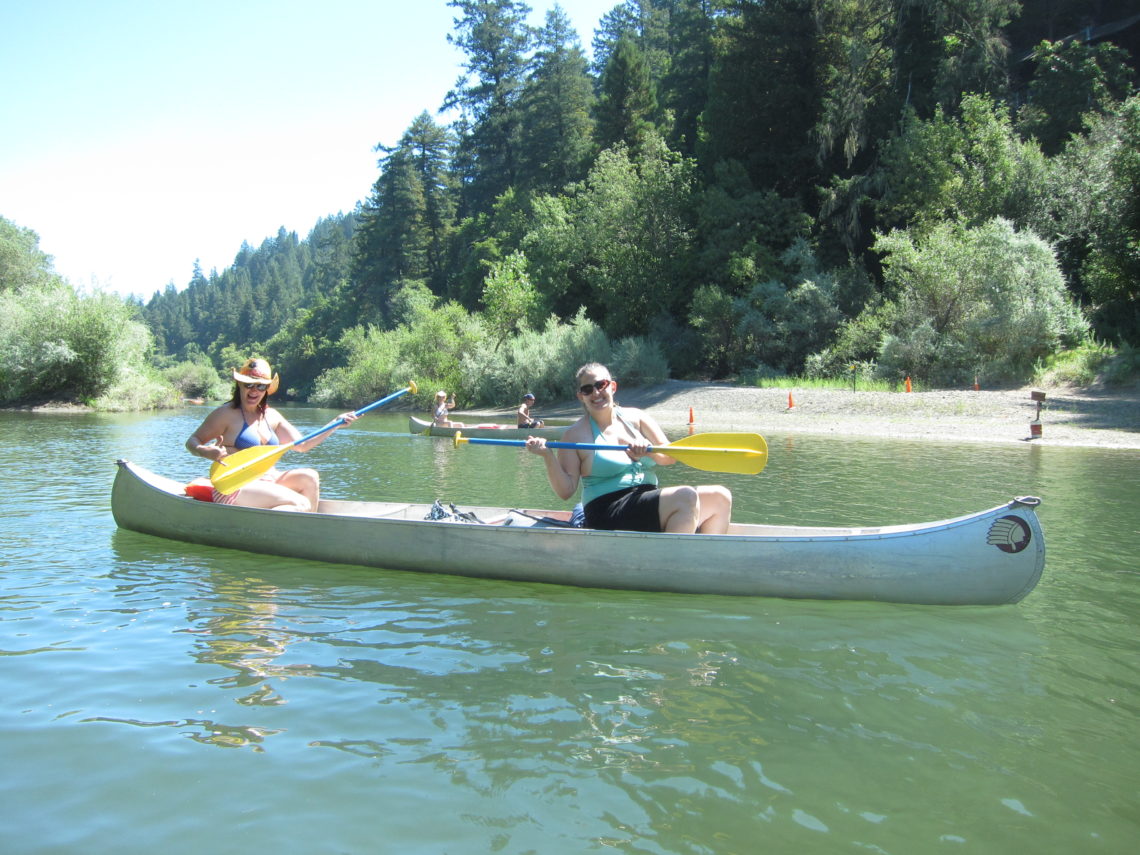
(990, 557)
(484, 431)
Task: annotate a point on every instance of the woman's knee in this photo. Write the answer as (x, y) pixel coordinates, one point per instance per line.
(716, 495)
(309, 475)
(685, 499)
(296, 502)
(301, 479)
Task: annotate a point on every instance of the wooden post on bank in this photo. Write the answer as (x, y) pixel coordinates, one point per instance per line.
(1035, 425)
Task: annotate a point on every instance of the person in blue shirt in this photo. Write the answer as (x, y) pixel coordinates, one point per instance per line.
(619, 488)
(248, 420)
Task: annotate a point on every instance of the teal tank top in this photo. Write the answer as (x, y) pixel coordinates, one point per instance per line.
(613, 470)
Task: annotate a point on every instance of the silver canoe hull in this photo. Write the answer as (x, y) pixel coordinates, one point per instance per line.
(991, 557)
(419, 426)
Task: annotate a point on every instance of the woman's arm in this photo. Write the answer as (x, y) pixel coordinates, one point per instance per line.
(286, 432)
(563, 469)
(652, 431)
(209, 439)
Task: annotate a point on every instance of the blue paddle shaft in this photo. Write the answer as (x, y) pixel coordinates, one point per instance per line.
(589, 446)
(359, 412)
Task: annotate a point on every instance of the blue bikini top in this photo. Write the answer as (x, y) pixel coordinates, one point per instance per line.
(249, 437)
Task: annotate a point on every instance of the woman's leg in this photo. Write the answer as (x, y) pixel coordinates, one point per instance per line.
(267, 494)
(307, 482)
(294, 490)
(715, 509)
(686, 510)
(678, 509)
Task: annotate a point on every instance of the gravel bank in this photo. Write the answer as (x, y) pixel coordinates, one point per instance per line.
(1070, 417)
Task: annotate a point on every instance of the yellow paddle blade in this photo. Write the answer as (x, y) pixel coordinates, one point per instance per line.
(738, 453)
(238, 469)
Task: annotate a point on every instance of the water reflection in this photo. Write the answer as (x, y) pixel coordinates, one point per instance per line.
(240, 631)
(203, 731)
(513, 677)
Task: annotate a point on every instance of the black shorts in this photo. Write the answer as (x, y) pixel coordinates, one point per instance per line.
(631, 509)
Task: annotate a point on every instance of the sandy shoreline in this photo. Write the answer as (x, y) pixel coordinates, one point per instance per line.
(1070, 417)
(1090, 417)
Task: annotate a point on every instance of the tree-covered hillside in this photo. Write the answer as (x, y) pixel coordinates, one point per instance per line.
(729, 188)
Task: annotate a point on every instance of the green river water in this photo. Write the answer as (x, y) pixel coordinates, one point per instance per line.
(160, 697)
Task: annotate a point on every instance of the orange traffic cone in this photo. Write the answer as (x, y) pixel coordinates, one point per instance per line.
(791, 403)
(691, 416)
(908, 384)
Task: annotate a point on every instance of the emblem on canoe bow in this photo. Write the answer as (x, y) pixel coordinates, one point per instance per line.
(1009, 534)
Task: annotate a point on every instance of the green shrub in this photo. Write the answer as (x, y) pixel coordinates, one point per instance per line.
(542, 362)
(429, 349)
(713, 314)
(58, 345)
(1088, 364)
(987, 301)
(197, 378)
(138, 388)
(638, 361)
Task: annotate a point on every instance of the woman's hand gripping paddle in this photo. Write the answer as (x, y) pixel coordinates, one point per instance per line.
(740, 453)
(234, 471)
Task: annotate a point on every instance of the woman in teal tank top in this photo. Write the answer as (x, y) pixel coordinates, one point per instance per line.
(620, 488)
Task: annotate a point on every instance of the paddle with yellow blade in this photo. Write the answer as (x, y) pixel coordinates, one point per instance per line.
(739, 453)
(234, 471)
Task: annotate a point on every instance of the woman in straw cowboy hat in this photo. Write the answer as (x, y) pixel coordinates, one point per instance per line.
(248, 420)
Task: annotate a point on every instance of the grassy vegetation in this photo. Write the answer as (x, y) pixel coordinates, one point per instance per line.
(857, 376)
(1089, 364)
(860, 385)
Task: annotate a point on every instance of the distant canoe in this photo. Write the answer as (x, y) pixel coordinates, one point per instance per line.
(990, 557)
(484, 431)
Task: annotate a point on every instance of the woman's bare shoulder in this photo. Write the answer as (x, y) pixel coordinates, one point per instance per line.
(578, 432)
(636, 416)
(220, 414)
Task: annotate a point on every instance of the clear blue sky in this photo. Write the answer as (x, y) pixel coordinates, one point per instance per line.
(139, 135)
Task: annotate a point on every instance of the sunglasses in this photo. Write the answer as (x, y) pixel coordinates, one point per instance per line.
(596, 386)
(260, 387)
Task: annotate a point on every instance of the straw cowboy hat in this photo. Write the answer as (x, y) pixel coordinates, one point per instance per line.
(258, 371)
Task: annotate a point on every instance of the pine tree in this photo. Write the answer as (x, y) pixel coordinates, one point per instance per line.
(556, 104)
(496, 38)
(627, 108)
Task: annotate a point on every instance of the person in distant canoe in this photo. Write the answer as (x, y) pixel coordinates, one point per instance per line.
(619, 488)
(525, 419)
(248, 420)
(442, 408)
